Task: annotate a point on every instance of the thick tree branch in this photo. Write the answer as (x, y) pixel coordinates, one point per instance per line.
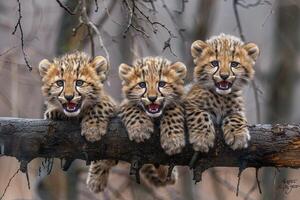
(26, 139)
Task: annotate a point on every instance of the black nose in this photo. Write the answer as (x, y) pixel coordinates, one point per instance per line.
(152, 98)
(224, 76)
(69, 97)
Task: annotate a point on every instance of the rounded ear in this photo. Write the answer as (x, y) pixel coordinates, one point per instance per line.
(43, 67)
(197, 48)
(101, 66)
(125, 71)
(179, 68)
(252, 50)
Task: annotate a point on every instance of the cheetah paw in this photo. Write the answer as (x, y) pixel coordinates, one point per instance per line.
(92, 133)
(173, 145)
(202, 141)
(237, 139)
(140, 133)
(97, 184)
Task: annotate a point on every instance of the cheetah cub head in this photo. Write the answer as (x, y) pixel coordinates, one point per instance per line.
(152, 83)
(224, 63)
(73, 82)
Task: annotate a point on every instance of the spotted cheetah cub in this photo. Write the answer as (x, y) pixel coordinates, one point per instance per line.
(73, 88)
(153, 88)
(224, 64)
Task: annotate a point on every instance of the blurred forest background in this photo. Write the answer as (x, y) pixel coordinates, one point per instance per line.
(127, 33)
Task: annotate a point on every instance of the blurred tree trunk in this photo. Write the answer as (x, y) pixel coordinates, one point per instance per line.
(66, 40)
(283, 82)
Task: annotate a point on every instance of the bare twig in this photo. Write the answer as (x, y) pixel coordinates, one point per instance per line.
(8, 50)
(84, 19)
(242, 36)
(167, 43)
(19, 25)
(130, 22)
(65, 8)
(97, 6)
(107, 10)
(237, 18)
(179, 30)
(90, 33)
(8, 184)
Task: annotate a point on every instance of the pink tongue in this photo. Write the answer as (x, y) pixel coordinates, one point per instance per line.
(71, 106)
(153, 106)
(223, 84)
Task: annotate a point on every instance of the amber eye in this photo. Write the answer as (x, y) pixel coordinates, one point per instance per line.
(60, 83)
(215, 63)
(142, 84)
(161, 83)
(79, 82)
(234, 64)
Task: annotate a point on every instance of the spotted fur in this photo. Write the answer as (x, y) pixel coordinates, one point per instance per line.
(224, 64)
(73, 88)
(153, 88)
(159, 176)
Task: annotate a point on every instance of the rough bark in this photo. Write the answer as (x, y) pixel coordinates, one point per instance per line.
(26, 139)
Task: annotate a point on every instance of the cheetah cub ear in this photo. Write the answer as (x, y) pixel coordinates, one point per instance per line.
(179, 68)
(197, 48)
(99, 63)
(125, 72)
(252, 50)
(43, 67)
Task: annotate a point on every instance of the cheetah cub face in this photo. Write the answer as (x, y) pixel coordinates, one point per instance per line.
(152, 83)
(224, 64)
(72, 82)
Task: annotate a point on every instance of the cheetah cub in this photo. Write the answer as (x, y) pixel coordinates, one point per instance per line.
(73, 88)
(224, 64)
(153, 88)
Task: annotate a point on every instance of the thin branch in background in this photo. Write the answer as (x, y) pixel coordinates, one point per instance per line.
(269, 14)
(19, 25)
(107, 10)
(65, 8)
(237, 18)
(167, 43)
(174, 20)
(242, 36)
(152, 5)
(130, 23)
(8, 50)
(97, 6)
(8, 184)
(84, 19)
(92, 41)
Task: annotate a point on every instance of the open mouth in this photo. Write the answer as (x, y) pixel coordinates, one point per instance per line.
(153, 108)
(71, 107)
(223, 85)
